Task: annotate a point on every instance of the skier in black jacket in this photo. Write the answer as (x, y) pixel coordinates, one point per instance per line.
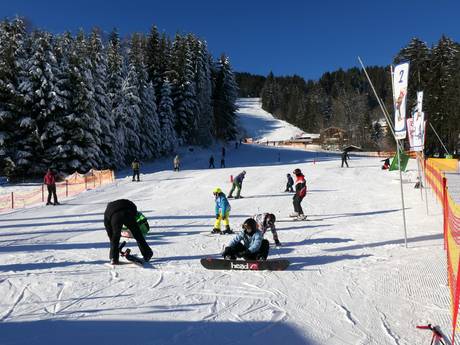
(289, 184)
(118, 213)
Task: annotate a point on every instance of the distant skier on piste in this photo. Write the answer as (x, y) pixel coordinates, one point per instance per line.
(135, 165)
(267, 221)
(118, 213)
(222, 211)
(300, 192)
(238, 184)
(176, 163)
(249, 244)
(289, 183)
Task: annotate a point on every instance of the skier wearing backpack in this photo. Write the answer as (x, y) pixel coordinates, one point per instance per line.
(249, 244)
(267, 221)
(300, 192)
(222, 212)
(118, 213)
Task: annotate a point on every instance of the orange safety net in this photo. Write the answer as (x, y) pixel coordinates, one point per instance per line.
(73, 185)
(434, 173)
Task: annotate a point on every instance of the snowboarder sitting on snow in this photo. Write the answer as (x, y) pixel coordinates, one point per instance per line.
(386, 164)
(118, 213)
(289, 184)
(222, 212)
(136, 167)
(267, 221)
(249, 244)
(300, 192)
(237, 183)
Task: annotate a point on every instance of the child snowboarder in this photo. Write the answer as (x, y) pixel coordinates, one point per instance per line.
(237, 183)
(386, 164)
(118, 213)
(249, 244)
(289, 184)
(267, 221)
(222, 212)
(300, 192)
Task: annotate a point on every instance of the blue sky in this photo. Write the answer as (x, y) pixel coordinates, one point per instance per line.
(306, 37)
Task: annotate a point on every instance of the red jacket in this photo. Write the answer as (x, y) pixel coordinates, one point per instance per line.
(49, 179)
(300, 185)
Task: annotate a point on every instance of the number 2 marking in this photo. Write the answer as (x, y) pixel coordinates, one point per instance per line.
(401, 73)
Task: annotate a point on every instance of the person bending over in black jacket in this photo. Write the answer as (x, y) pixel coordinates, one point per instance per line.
(118, 213)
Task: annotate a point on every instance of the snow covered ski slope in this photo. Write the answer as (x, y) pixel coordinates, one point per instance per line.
(350, 281)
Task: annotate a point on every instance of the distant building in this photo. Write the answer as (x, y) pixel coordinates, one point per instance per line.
(334, 136)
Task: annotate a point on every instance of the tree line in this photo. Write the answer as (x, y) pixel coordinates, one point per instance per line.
(344, 98)
(75, 102)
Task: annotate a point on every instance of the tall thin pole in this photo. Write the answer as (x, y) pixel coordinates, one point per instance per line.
(426, 184)
(419, 175)
(434, 130)
(387, 117)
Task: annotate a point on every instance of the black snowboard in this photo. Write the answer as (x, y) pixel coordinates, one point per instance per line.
(244, 265)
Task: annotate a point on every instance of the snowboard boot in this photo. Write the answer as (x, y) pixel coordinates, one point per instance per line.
(294, 215)
(230, 197)
(301, 217)
(114, 262)
(227, 230)
(277, 243)
(148, 256)
(215, 231)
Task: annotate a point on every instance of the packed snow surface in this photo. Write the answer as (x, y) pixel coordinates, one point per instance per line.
(351, 279)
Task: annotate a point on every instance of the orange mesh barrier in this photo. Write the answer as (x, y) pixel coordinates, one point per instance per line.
(73, 185)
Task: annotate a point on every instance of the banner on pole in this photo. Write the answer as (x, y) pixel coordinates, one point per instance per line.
(404, 160)
(400, 79)
(416, 131)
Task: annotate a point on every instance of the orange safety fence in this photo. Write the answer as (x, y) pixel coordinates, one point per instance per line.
(73, 185)
(434, 173)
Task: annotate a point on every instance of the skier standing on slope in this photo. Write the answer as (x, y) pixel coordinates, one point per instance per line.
(289, 184)
(50, 182)
(176, 163)
(345, 156)
(237, 183)
(300, 192)
(248, 244)
(118, 213)
(211, 162)
(222, 212)
(135, 165)
(267, 221)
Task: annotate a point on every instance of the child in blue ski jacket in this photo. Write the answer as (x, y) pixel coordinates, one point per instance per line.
(248, 244)
(222, 211)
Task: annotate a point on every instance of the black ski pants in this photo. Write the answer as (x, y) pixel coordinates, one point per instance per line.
(344, 160)
(113, 223)
(296, 202)
(52, 191)
(239, 247)
(289, 187)
(136, 173)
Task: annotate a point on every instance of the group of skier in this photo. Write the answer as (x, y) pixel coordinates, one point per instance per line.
(248, 244)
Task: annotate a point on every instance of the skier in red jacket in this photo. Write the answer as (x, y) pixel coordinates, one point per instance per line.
(50, 182)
